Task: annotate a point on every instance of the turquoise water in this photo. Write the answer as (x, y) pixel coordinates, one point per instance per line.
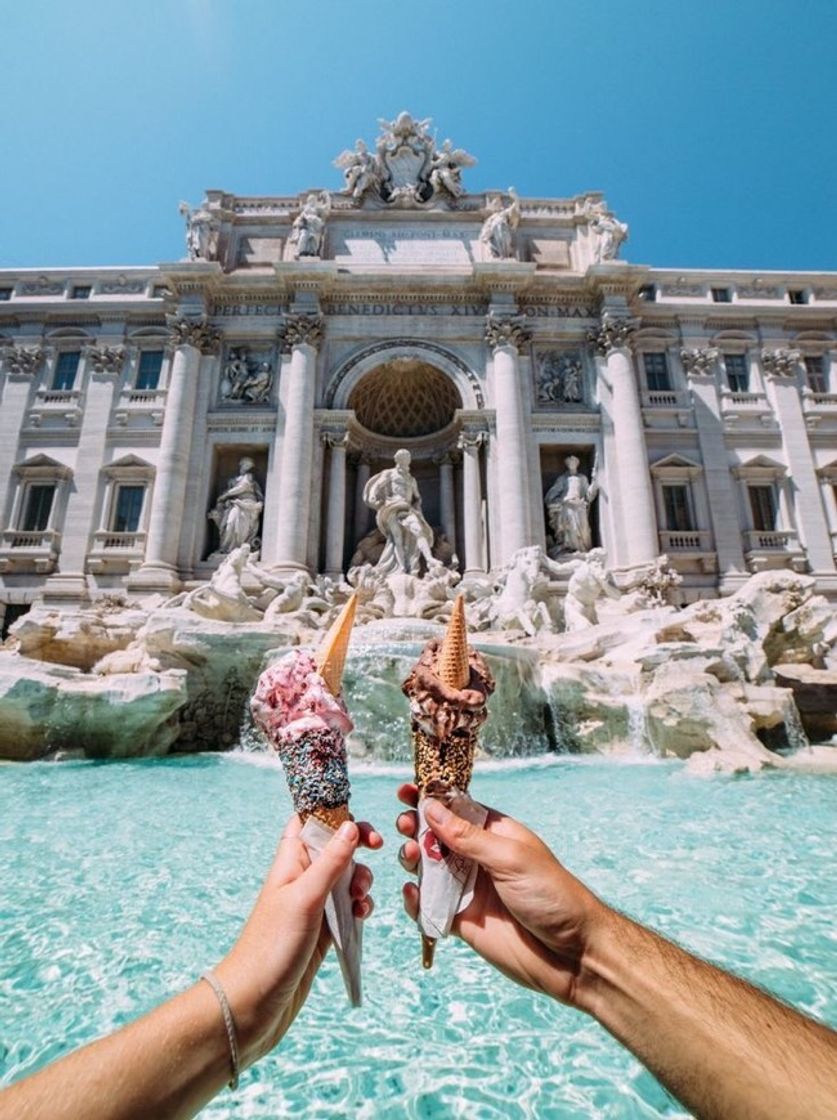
(121, 883)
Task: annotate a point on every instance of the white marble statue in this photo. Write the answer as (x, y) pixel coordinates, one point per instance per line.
(201, 236)
(610, 232)
(238, 509)
(446, 169)
(567, 504)
(360, 171)
(223, 599)
(589, 583)
(395, 497)
(308, 228)
(521, 597)
(497, 233)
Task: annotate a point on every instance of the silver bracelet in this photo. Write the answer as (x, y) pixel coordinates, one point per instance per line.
(229, 1022)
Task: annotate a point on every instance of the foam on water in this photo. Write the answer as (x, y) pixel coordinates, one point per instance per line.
(123, 882)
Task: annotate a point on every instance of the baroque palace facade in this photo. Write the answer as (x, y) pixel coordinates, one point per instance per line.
(492, 336)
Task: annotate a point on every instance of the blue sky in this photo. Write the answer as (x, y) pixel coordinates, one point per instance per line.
(709, 125)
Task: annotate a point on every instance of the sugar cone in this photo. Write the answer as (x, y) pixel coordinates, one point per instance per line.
(331, 656)
(452, 665)
(331, 815)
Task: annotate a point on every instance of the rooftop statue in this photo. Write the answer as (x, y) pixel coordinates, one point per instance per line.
(308, 227)
(610, 232)
(497, 233)
(201, 232)
(407, 169)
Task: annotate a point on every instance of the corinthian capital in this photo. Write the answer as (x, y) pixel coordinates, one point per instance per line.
(23, 359)
(505, 332)
(471, 440)
(106, 359)
(611, 334)
(700, 361)
(297, 330)
(780, 363)
(195, 332)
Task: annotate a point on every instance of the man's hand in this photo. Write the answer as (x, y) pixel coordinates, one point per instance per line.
(529, 917)
(268, 973)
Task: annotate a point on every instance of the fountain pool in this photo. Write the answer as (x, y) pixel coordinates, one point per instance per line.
(121, 882)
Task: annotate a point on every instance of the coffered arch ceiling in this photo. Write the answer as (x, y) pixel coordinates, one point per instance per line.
(405, 398)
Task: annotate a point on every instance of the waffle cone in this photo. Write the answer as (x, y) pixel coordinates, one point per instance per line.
(451, 763)
(331, 656)
(330, 815)
(453, 666)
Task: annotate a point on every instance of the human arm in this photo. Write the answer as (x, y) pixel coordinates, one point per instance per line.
(170, 1062)
(721, 1046)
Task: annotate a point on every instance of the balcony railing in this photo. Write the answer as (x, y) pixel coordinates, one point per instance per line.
(56, 403)
(685, 540)
(29, 549)
(770, 540)
(143, 403)
(107, 540)
(116, 552)
(665, 398)
(818, 401)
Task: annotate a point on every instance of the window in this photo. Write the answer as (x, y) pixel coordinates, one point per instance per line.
(150, 364)
(656, 373)
(721, 295)
(677, 508)
(763, 507)
(738, 375)
(6, 293)
(66, 369)
(815, 373)
(648, 293)
(80, 291)
(797, 296)
(37, 508)
(128, 508)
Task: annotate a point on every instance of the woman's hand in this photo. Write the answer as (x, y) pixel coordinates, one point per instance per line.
(268, 972)
(529, 916)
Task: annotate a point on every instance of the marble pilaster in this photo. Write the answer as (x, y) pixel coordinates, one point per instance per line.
(191, 338)
(470, 444)
(505, 336)
(336, 509)
(781, 368)
(19, 367)
(447, 508)
(361, 508)
(301, 337)
(631, 484)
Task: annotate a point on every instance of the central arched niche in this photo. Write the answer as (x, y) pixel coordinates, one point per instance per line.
(405, 398)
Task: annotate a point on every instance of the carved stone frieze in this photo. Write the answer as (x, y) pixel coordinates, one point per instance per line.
(122, 286)
(247, 377)
(612, 334)
(560, 377)
(782, 362)
(700, 361)
(195, 332)
(23, 359)
(299, 330)
(43, 286)
(506, 332)
(106, 359)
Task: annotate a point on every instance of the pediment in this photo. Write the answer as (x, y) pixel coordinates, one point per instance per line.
(130, 461)
(678, 461)
(42, 466)
(129, 467)
(760, 465)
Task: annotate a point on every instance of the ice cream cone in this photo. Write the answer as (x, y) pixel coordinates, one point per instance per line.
(331, 656)
(453, 666)
(332, 816)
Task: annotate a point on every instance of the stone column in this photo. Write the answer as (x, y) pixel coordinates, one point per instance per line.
(631, 484)
(505, 337)
(447, 507)
(103, 369)
(21, 364)
(469, 444)
(336, 509)
(700, 365)
(302, 334)
(190, 338)
(361, 508)
(781, 367)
